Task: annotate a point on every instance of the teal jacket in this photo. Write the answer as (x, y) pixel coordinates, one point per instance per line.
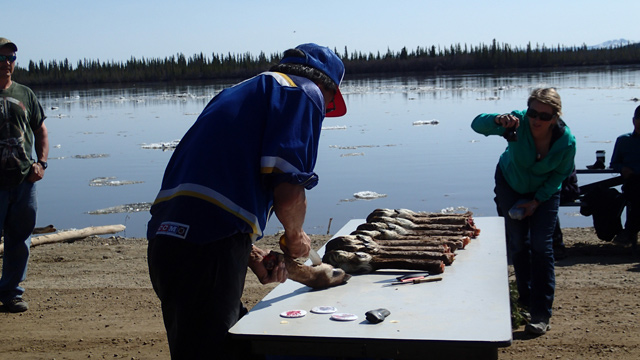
(519, 164)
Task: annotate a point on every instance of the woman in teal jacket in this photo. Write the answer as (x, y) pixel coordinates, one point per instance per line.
(539, 156)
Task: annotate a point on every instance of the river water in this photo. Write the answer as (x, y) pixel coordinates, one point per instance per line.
(406, 142)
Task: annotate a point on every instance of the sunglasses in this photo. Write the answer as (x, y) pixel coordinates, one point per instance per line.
(532, 114)
(10, 58)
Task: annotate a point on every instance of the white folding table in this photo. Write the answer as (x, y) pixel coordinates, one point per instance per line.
(466, 315)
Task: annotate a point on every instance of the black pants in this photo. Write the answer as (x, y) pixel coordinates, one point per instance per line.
(631, 192)
(200, 287)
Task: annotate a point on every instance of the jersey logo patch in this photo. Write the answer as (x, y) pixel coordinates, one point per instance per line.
(170, 228)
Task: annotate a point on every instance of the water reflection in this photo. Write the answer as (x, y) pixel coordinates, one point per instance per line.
(376, 148)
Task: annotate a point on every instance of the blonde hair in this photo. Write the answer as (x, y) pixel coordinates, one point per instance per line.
(548, 96)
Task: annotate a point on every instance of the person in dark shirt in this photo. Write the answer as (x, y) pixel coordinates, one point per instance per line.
(22, 132)
(626, 161)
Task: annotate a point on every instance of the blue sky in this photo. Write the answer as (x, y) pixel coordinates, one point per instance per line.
(115, 30)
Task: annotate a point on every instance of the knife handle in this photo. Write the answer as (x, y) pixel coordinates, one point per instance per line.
(428, 279)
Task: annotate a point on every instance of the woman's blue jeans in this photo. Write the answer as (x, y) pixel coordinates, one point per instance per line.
(530, 244)
(18, 207)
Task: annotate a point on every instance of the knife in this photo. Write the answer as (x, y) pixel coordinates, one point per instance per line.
(313, 255)
(413, 276)
(415, 281)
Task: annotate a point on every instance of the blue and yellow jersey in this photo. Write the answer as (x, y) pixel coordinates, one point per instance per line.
(248, 139)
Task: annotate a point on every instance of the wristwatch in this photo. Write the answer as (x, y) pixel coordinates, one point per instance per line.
(43, 164)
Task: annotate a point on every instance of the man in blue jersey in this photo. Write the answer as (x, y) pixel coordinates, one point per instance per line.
(250, 153)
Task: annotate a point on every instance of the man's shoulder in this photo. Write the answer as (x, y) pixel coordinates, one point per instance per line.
(627, 136)
(17, 88)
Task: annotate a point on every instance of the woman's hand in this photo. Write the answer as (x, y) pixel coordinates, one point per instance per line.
(530, 207)
(507, 121)
(278, 271)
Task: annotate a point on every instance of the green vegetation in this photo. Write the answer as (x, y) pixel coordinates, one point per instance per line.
(517, 311)
(456, 58)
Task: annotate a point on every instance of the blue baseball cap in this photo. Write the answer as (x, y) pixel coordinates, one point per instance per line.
(325, 60)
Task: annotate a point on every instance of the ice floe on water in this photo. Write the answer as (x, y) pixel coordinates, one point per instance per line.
(126, 208)
(368, 195)
(454, 210)
(353, 147)
(130, 97)
(111, 181)
(337, 127)
(171, 145)
(426, 122)
(90, 156)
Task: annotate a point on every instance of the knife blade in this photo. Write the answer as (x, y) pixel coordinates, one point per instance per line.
(315, 258)
(313, 255)
(413, 276)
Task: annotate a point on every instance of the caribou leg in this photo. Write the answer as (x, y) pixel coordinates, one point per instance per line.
(361, 262)
(423, 217)
(434, 228)
(317, 277)
(425, 221)
(361, 243)
(388, 237)
(378, 226)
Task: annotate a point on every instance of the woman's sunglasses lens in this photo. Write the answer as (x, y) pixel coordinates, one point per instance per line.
(539, 115)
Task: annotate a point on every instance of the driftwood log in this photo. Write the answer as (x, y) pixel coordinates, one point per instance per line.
(44, 230)
(72, 235)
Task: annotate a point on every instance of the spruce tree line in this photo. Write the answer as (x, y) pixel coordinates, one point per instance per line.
(456, 58)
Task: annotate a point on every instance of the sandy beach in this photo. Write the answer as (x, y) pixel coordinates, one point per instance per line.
(92, 299)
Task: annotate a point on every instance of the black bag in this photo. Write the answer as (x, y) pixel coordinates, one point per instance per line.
(570, 190)
(605, 205)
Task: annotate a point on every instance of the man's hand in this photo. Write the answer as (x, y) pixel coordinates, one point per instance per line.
(277, 274)
(36, 173)
(290, 206)
(297, 246)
